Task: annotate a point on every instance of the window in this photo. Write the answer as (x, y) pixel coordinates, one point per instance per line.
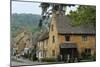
(53, 39)
(45, 53)
(88, 51)
(67, 37)
(53, 52)
(52, 27)
(84, 37)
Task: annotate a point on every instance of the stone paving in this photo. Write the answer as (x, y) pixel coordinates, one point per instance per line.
(21, 61)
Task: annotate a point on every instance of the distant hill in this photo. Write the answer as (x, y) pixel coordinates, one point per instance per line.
(28, 21)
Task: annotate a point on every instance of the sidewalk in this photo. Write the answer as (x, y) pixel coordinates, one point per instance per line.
(21, 61)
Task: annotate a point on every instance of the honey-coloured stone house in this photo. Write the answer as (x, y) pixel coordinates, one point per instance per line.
(23, 42)
(63, 39)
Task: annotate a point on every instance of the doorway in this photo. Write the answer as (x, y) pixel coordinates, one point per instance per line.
(72, 52)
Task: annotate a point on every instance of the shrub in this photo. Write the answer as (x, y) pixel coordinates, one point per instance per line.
(34, 58)
(49, 59)
(94, 57)
(86, 56)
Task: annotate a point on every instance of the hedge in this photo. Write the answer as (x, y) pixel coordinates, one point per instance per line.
(49, 59)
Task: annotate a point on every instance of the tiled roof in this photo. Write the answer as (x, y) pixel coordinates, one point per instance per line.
(64, 27)
(43, 36)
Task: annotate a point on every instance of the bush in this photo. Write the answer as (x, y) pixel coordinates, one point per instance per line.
(49, 59)
(34, 58)
(94, 57)
(86, 56)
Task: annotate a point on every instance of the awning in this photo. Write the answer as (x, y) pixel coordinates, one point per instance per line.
(68, 45)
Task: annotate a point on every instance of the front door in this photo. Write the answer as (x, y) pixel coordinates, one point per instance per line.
(68, 53)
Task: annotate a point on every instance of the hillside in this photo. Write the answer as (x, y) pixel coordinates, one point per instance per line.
(28, 21)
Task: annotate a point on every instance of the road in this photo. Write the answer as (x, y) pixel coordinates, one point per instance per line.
(21, 61)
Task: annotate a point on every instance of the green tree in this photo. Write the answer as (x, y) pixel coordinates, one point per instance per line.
(54, 7)
(84, 15)
(46, 11)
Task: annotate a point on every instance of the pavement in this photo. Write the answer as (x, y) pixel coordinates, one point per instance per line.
(26, 62)
(21, 62)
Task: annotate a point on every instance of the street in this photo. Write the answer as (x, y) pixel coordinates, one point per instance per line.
(21, 61)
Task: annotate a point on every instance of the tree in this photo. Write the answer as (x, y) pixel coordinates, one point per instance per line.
(54, 7)
(46, 12)
(84, 15)
(40, 23)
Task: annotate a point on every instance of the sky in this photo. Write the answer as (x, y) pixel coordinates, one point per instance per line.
(31, 7)
(26, 7)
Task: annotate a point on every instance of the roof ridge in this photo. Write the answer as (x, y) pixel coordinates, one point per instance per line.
(63, 24)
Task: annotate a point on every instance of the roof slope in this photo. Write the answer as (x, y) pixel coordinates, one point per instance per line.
(64, 27)
(43, 36)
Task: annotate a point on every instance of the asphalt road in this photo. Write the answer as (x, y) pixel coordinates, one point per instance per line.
(23, 62)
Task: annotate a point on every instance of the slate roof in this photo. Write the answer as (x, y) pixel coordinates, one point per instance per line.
(64, 27)
(43, 36)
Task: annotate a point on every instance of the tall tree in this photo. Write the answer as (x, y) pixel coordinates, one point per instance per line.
(54, 7)
(46, 12)
(84, 15)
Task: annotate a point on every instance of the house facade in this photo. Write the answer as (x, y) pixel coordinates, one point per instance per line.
(23, 42)
(42, 45)
(65, 39)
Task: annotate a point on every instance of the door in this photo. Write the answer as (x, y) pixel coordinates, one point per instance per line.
(68, 52)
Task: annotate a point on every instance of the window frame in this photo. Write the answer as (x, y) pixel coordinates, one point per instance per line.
(84, 37)
(67, 37)
(53, 52)
(88, 50)
(53, 39)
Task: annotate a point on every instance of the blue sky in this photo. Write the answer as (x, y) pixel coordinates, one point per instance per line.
(26, 7)
(31, 7)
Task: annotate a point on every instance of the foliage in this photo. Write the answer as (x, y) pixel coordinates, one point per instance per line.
(88, 56)
(84, 15)
(28, 21)
(54, 7)
(48, 59)
(49, 8)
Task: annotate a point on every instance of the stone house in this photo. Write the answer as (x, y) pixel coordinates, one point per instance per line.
(64, 38)
(42, 45)
(23, 42)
